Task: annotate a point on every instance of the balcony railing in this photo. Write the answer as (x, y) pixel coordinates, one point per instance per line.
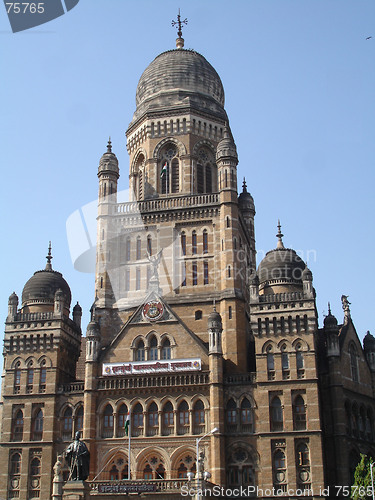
(170, 203)
(240, 378)
(200, 378)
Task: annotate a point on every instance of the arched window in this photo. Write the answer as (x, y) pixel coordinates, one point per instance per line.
(183, 418)
(160, 472)
(34, 480)
(194, 247)
(299, 414)
(195, 274)
(147, 472)
(140, 351)
(42, 376)
(67, 424)
(168, 419)
(30, 378)
(121, 419)
(276, 414)
(138, 278)
(199, 417)
(198, 315)
(139, 247)
(153, 420)
(17, 379)
(205, 241)
(108, 422)
(14, 476)
(17, 432)
(113, 473)
(205, 273)
(137, 420)
(270, 363)
(183, 243)
(247, 421)
(175, 176)
(37, 426)
(279, 469)
(353, 363)
(79, 420)
(208, 179)
(240, 469)
(285, 365)
(182, 471)
(153, 353)
(166, 349)
(200, 178)
(299, 360)
(169, 170)
(231, 412)
(127, 249)
(149, 245)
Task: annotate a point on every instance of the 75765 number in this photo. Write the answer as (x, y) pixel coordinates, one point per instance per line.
(23, 7)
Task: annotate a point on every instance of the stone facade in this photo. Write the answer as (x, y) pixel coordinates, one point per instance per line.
(186, 336)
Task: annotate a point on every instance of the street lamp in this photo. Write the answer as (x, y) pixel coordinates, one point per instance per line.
(372, 480)
(198, 440)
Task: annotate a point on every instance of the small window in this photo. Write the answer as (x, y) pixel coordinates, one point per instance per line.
(230, 312)
(139, 247)
(299, 414)
(194, 243)
(149, 245)
(183, 243)
(153, 349)
(205, 273)
(277, 418)
(37, 426)
(195, 274)
(166, 349)
(198, 315)
(205, 241)
(140, 351)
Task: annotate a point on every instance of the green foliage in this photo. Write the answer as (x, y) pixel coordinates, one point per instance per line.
(362, 487)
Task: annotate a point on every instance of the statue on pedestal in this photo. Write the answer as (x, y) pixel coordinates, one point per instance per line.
(78, 458)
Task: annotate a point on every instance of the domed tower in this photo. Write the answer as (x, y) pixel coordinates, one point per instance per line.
(331, 330)
(369, 348)
(183, 211)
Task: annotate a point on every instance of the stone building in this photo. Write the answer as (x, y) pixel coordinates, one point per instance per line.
(187, 339)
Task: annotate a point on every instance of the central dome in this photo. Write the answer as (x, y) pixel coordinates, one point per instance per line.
(176, 75)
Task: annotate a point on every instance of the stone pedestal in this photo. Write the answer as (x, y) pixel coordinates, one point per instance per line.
(76, 490)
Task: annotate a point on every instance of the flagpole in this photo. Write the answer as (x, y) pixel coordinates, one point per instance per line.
(129, 435)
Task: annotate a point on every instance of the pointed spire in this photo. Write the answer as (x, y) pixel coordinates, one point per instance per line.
(244, 186)
(179, 41)
(49, 258)
(109, 145)
(279, 235)
(329, 309)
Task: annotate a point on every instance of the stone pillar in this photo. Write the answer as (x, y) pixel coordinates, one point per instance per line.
(76, 490)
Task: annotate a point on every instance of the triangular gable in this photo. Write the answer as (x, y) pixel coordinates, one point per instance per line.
(139, 317)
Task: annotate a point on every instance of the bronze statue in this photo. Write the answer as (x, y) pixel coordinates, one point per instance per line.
(78, 458)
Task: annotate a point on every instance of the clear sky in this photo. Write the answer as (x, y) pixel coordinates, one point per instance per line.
(299, 80)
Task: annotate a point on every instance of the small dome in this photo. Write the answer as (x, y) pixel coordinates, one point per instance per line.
(77, 308)
(369, 342)
(330, 322)
(109, 162)
(226, 147)
(13, 299)
(93, 330)
(177, 78)
(41, 288)
(214, 321)
(307, 275)
(254, 279)
(245, 200)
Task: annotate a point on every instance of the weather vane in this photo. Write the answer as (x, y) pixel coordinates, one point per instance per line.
(179, 23)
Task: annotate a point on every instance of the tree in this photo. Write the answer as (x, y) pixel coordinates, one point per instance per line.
(362, 487)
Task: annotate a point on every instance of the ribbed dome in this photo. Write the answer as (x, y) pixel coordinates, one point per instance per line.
(226, 147)
(176, 76)
(214, 321)
(245, 200)
(43, 285)
(109, 162)
(330, 322)
(369, 342)
(282, 265)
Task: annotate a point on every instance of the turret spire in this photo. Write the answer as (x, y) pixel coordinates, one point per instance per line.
(180, 41)
(244, 186)
(109, 145)
(279, 235)
(49, 258)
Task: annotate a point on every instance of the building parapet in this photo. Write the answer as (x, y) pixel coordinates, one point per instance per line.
(171, 203)
(240, 378)
(136, 486)
(281, 297)
(72, 387)
(201, 378)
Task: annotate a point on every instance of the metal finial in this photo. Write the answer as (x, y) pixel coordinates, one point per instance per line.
(109, 145)
(214, 304)
(329, 309)
(244, 186)
(279, 235)
(179, 23)
(49, 257)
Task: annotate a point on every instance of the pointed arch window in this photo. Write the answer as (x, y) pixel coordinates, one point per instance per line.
(14, 476)
(113, 473)
(139, 247)
(183, 418)
(17, 433)
(205, 241)
(170, 170)
(199, 417)
(153, 353)
(121, 419)
(17, 379)
(140, 351)
(79, 419)
(67, 424)
(299, 414)
(279, 469)
(42, 376)
(34, 480)
(247, 420)
(147, 472)
(303, 466)
(270, 363)
(37, 426)
(137, 420)
(205, 273)
(353, 363)
(153, 420)
(276, 414)
(168, 419)
(195, 274)
(108, 422)
(138, 278)
(194, 247)
(183, 243)
(166, 349)
(231, 414)
(208, 172)
(175, 176)
(149, 245)
(30, 378)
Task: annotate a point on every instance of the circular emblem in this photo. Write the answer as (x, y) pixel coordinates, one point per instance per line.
(153, 310)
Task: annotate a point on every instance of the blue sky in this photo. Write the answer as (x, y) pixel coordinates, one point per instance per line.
(299, 80)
